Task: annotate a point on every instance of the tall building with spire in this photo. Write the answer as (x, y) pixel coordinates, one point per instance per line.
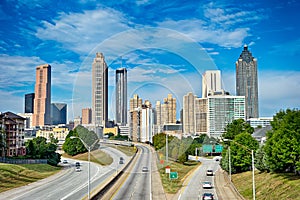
(247, 83)
(42, 98)
(99, 91)
(121, 96)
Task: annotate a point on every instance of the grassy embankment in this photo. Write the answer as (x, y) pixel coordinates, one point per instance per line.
(269, 186)
(98, 156)
(172, 186)
(12, 176)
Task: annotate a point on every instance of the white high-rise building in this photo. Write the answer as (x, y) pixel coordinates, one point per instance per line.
(99, 91)
(211, 82)
(222, 110)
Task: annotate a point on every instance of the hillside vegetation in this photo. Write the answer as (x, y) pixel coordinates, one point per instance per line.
(12, 176)
(269, 186)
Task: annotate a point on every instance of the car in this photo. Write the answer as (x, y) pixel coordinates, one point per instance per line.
(207, 196)
(121, 158)
(121, 162)
(77, 169)
(145, 169)
(209, 172)
(77, 164)
(65, 161)
(207, 185)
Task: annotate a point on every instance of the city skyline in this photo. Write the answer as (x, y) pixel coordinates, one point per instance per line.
(161, 45)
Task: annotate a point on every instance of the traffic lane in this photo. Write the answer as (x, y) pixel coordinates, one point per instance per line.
(209, 164)
(104, 174)
(58, 187)
(192, 187)
(138, 183)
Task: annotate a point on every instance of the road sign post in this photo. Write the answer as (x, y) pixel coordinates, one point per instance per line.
(173, 175)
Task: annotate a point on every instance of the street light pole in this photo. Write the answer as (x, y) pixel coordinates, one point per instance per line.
(89, 158)
(253, 180)
(167, 153)
(229, 160)
(253, 167)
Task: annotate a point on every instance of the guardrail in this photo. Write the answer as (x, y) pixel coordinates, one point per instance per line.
(23, 161)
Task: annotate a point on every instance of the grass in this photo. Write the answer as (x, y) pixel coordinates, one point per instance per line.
(97, 156)
(172, 186)
(129, 151)
(269, 186)
(12, 176)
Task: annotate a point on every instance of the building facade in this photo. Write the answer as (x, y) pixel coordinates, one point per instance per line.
(42, 98)
(58, 113)
(29, 103)
(189, 113)
(222, 110)
(86, 114)
(12, 135)
(211, 82)
(121, 96)
(247, 83)
(99, 91)
(135, 102)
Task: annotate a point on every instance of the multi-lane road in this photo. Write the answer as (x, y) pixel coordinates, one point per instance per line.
(69, 184)
(192, 187)
(138, 182)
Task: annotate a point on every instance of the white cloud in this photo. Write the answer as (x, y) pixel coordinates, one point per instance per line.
(198, 31)
(81, 32)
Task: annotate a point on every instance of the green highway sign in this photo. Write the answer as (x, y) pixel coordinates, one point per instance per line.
(173, 175)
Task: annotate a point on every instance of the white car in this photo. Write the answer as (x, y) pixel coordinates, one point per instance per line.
(207, 185)
(77, 169)
(145, 169)
(209, 172)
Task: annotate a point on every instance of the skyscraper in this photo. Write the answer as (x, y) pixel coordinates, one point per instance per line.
(42, 99)
(246, 82)
(189, 113)
(29, 103)
(211, 82)
(58, 113)
(121, 96)
(169, 110)
(99, 91)
(135, 102)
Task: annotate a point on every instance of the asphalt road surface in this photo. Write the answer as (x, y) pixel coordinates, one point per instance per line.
(69, 184)
(138, 183)
(192, 187)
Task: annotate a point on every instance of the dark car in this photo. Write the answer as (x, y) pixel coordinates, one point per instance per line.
(77, 164)
(207, 196)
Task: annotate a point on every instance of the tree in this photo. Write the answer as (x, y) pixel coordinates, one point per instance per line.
(75, 146)
(240, 151)
(237, 127)
(283, 142)
(260, 159)
(40, 149)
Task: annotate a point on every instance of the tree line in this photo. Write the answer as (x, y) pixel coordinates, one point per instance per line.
(280, 153)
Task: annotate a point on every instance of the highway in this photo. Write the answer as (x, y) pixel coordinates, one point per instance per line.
(192, 187)
(69, 184)
(138, 183)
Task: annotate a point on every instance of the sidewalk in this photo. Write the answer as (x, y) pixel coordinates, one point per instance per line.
(225, 190)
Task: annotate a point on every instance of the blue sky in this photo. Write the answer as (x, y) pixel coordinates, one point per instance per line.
(165, 46)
